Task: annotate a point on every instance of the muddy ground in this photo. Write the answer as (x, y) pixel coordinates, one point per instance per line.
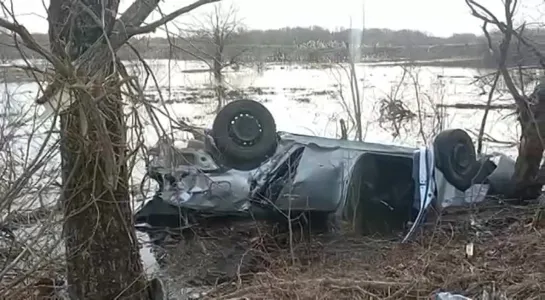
(248, 261)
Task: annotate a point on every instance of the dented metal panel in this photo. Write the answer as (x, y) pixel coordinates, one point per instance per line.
(306, 173)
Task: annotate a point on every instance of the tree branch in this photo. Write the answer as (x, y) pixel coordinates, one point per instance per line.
(130, 22)
(31, 43)
(507, 30)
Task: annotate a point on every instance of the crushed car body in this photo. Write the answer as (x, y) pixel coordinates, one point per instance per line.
(254, 171)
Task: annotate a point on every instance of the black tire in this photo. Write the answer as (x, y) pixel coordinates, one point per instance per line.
(455, 157)
(244, 147)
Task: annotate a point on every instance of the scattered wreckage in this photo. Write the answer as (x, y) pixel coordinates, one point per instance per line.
(243, 167)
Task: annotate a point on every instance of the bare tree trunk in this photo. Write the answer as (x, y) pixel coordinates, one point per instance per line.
(103, 260)
(218, 64)
(354, 88)
(218, 82)
(532, 120)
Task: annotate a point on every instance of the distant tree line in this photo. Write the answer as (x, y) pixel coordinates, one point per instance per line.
(312, 44)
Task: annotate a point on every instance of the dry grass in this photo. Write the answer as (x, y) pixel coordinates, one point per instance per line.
(507, 262)
(253, 260)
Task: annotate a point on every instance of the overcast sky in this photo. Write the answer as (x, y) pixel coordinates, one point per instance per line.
(437, 17)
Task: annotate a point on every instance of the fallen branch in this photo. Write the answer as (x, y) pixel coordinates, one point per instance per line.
(478, 106)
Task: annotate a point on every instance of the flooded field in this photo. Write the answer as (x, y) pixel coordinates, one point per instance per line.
(311, 99)
(308, 99)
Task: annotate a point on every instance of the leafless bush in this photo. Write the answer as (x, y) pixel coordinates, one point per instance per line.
(29, 187)
(407, 105)
(346, 78)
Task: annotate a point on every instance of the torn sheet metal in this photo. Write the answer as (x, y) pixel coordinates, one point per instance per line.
(225, 192)
(497, 182)
(191, 179)
(500, 179)
(426, 186)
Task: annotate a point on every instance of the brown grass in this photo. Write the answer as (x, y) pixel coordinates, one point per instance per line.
(253, 260)
(507, 261)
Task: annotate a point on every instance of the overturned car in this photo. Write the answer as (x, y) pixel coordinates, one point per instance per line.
(243, 167)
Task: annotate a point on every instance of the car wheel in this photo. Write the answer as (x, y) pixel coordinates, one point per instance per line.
(455, 157)
(244, 132)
